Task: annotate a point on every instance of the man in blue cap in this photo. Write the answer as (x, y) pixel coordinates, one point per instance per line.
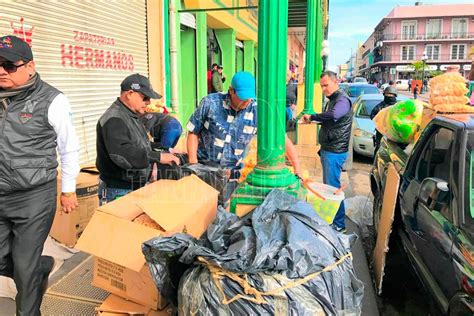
(223, 125)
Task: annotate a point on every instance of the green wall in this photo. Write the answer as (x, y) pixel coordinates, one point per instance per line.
(188, 91)
(239, 59)
(226, 40)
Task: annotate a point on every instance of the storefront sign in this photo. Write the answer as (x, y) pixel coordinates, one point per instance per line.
(445, 67)
(466, 67)
(405, 68)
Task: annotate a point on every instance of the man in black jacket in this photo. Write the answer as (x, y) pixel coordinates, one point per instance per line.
(389, 98)
(334, 136)
(124, 151)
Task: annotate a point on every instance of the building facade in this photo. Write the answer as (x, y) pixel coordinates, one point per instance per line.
(442, 35)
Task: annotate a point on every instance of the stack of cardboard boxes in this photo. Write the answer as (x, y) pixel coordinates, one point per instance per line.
(117, 230)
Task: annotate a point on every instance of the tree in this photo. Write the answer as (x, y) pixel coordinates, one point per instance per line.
(471, 73)
(418, 65)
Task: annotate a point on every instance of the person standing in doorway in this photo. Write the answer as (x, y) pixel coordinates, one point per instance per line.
(209, 77)
(291, 97)
(36, 123)
(218, 79)
(334, 136)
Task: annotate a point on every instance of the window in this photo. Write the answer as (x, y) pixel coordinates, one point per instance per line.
(435, 161)
(469, 185)
(459, 28)
(408, 52)
(432, 51)
(408, 30)
(458, 51)
(366, 107)
(433, 28)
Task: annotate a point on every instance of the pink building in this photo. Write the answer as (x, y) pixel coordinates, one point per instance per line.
(444, 34)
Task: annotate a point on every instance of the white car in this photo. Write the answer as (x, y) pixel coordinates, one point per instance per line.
(402, 85)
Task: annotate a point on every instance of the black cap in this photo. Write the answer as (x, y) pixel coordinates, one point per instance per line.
(214, 65)
(14, 49)
(139, 83)
(220, 67)
(391, 90)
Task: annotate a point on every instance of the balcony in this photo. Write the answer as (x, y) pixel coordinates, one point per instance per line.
(427, 37)
(441, 58)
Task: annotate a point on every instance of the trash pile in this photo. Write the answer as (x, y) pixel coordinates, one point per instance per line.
(280, 259)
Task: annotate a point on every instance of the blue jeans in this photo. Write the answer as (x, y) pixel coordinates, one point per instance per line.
(289, 113)
(110, 193)
(332, 167)
(169, 134)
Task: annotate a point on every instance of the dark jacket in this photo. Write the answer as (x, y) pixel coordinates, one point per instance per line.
(27, 140)
(334, 136)
(291, 92)
(379, 107)
(124, 153)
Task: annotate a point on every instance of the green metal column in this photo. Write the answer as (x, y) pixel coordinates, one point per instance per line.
(270, 171)
(311, 53)
(319, 40)
(249, 61)
(201, 54)
(226, 40)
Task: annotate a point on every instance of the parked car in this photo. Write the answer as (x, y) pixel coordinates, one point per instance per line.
(402, 85)
(434, 209)
(359, 80)
(354, 90)
(363, 128)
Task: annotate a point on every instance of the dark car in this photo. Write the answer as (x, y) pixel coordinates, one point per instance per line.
(354, 90)
(434, 208)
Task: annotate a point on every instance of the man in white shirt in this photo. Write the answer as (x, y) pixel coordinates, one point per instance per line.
(35, 121)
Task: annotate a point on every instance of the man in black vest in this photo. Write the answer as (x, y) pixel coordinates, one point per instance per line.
(334, 137)
(124, 151)
(35, 120)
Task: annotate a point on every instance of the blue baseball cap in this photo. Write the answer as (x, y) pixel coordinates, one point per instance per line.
(243, 83)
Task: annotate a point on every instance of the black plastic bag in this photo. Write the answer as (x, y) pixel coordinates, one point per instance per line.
(213, 175)
(279, 243)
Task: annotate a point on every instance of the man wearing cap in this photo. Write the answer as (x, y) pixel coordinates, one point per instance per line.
(35, 120)
(217, 80)
(209, 77)
(223, 125)
(124, 153)
(389, 98)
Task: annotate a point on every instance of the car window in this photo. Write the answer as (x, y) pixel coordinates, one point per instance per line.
(469, 183)
(435, 161)
(356, 91)
(366, 107)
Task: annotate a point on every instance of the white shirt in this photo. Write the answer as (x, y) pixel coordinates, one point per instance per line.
(60, 118)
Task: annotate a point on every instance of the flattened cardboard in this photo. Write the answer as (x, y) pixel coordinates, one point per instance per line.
(67, 228)
(117, 306)
(385, 225)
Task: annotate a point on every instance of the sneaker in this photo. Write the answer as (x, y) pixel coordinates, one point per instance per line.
(341, 230)
(46, 265)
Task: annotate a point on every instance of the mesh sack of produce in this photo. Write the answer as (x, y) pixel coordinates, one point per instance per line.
(448, 89)
(449, 99)
(401, 121)
(282, 258)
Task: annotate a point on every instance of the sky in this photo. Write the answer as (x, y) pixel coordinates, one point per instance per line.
(352, 21)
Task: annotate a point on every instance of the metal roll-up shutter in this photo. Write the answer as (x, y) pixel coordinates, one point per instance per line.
(83, 48)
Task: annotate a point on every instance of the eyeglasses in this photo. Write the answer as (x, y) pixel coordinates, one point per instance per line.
(10, 67)
(146, 99)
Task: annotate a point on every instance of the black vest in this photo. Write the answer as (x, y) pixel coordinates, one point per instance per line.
(334, 136)
(27, 140)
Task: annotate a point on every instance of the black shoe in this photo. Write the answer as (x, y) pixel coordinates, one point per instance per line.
(46, 265)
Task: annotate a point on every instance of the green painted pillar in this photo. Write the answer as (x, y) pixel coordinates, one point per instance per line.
(226, 40)
(249, 57)
(201, 54)
(270, 171)
(311, 54)
(319, 41)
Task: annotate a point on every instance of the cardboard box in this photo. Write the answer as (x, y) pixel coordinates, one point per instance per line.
(67, 228)
(116, 306)
(307, 134)
(188, 205)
